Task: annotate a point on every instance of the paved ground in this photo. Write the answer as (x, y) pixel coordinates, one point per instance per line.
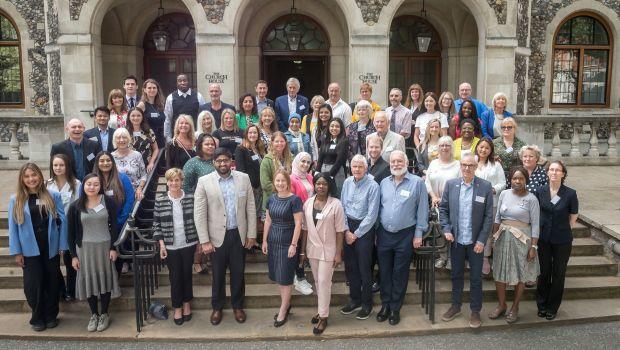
(586, 336)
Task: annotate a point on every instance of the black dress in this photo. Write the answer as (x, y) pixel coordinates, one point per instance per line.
(281, 231)
(177, 155)
(156, 121)
(229, 139)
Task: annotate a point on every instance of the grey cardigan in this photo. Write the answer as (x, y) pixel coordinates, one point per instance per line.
(163, 222)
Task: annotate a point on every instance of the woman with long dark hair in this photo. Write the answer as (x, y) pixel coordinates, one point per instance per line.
(321, 129)
(152, 103)
(333, 154)
(248, 112)
(468, 111)
(143, 137)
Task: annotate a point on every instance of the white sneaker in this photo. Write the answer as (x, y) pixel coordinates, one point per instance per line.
(104, 322)
(92, 324)
(302, 286)
(439, 263)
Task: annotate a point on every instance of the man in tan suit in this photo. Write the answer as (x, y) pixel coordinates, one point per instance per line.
(225, 216)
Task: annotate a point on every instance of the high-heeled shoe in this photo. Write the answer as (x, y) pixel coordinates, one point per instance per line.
(315, 319)
(281, 323)
(320, 327)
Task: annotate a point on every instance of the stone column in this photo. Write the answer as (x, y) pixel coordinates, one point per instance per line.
(217, 63)
(498, 76)
(369, 61)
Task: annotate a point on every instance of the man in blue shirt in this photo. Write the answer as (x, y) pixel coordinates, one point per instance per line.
(101, 133)
(360, 200)
(80, 151)
(466, 217)
(465, 94)
(404, 219)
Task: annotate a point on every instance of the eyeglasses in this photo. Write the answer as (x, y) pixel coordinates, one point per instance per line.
(468, 166)
(222, 161)
(507, 127)
(445, 146)
(467, 129)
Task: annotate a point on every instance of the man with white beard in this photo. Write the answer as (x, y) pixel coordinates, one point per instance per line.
(404, 219)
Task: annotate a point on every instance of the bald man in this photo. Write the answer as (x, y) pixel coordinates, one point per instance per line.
(465, 94)
(81, 151)
(340, 109)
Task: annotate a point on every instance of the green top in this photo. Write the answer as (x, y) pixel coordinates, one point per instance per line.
(508, 159)
(193, 170)
(243, 122)
(267, 172)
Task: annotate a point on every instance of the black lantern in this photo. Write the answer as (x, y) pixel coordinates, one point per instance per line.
(160, 35)
(423, 39)
(293, 36)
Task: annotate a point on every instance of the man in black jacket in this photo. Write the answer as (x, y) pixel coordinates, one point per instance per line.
(81, 151)
(101, 133)
(261, 96)
(377, 166)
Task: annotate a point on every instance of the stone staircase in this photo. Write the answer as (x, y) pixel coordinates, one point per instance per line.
(590, 275)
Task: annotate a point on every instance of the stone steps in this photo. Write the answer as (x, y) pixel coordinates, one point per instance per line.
(261, 296)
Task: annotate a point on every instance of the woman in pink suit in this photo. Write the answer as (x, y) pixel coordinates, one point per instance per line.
(323, 228)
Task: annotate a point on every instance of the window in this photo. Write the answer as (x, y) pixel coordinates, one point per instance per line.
(11, 84)
(581, 58)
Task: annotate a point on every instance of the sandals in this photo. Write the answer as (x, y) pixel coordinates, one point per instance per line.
(315, 319)
(512, 316)
(497, 313)
(320, 327)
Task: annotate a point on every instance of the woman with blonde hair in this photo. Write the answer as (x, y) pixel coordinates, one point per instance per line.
(278, 157)
(128, 161)
(118, 109)
(507, 146)
(428, 150)
(229, 135)
(309, 121)
(446, 105)
(37, 233)
(530, 158)
(152, 104)
(181, 148)
(492, 118)
(205, 123)
(267, 125)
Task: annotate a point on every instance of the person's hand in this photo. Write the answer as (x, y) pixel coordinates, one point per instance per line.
(337, 260)
(139, 194)
(478, 248)
(264, 247)
(302, 258)
(492, 189)
(75, 262)
(531, 254)
(417, 242)
(436, 201)
(292, 250)
(349, 237)
(150, 167)
(113, 255)
(449, 236)
(163, 253)
(207, 248)
(249, 243)
(19, 260)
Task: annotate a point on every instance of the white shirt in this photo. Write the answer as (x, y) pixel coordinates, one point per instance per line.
(493, 173)
(178, 224)
(168, 110)
(66, 195)
(341, 110)
(292, 104)
(423, 119)
(438, 174)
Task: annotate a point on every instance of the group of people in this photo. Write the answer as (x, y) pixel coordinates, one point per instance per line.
(317, 182)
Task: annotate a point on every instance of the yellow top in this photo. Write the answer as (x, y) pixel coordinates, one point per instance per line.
(457, 144)
(308, 118)
(375, 108)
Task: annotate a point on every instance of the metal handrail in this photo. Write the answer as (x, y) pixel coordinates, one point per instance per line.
(424, 262)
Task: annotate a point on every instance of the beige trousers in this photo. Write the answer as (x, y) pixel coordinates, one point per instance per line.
(323, 272)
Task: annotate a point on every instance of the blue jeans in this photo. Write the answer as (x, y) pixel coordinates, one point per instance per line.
(458, 255)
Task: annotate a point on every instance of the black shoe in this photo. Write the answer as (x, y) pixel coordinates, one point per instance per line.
(383, 314)
(364, 313)
(178, 321)
(52, 324)
(281, 323)
(550, 315)
(376, 287)
(68, 298)
(187, 318)
(38, 327)
(350, 308)
(315, 319)
(394, 318)
(542, 313)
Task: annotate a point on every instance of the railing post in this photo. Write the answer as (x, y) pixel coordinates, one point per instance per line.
(593, 152)
(15, 153)
(555, 142)
(575, 151)
(611, 141)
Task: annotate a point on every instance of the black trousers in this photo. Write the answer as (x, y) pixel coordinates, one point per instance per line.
(358, 265)
(231, 255)
(67, 287)
(553, 259)
(395, 250)
(41, 287)
(180, 263)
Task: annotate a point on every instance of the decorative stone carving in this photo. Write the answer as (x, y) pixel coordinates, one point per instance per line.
(519, 79)
(501, 8)
(53, 58)
(371, 9)
(523, 25)
(214, 9)
(543, 12)
(75, 8)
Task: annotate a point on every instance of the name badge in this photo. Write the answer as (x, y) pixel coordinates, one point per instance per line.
(37, 201)
(154, 115)
(98, 208)
(90, 157)
(319, 216)
(504, 207)
(241, 193)
(256, 157)
(479, 199)
(389, 148)
(332, 146)
(137, 133)
(238, 140)
(404, 193)
(109, 193)
(94, 138)
(555, 199)
(509, 150)
(302, 107)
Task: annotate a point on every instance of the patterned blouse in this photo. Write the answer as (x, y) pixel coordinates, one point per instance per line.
(508, 157)
(266, 137)
(131, 165)
(357, 138)
(538, 178)
(142, 143)
(193, 170)
(117, 120)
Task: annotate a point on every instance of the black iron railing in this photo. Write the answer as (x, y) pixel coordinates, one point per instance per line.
(135, 244)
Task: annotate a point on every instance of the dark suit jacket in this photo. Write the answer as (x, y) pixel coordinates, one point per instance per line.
(482, 209)
(270, 103)
(282, 112)
(555, 218)
(380, 170)
(94, 133)
(90, 150)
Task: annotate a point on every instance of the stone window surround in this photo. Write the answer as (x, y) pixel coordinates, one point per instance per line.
(20, 59)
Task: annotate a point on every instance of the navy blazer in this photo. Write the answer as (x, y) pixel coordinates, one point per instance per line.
(21, 236)
(555, 218)
(90, 149)
(282, 112)
(482, 209)
(94, 135)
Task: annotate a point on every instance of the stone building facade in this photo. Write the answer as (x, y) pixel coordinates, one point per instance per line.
(74, 51)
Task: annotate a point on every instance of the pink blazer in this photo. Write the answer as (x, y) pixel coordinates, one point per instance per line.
(322, 237)
(298, 189)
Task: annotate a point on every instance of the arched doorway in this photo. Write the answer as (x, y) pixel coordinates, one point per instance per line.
(295, 46)
(415, 54)
(180, 54)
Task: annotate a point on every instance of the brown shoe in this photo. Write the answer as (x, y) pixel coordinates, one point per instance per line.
(452, 312)
(474, 320)
(239, 315)
(216, 317)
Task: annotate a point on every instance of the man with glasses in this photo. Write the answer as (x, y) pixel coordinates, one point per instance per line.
(225, 216)
(466, 217)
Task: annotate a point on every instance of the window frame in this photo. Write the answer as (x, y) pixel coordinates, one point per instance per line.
(580, 69)
(17, 44)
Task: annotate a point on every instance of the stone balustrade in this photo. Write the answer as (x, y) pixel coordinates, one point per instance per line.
(43, 131)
